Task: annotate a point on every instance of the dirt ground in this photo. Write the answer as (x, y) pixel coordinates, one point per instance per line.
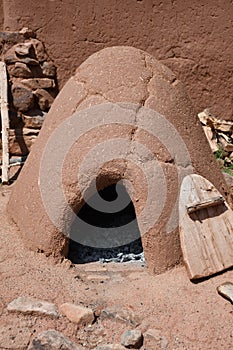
(186, 315)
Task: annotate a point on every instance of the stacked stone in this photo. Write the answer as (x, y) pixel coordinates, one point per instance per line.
(32, 86)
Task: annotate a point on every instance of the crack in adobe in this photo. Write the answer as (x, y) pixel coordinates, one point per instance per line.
(85, 94)
(148, 80)
(94, 41)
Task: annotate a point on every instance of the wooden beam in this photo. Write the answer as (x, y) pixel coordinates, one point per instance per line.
(5, 123)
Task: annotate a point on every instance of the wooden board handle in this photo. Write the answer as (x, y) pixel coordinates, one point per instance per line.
(192, 207)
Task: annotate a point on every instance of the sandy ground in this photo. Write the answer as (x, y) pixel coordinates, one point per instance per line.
(188, 316)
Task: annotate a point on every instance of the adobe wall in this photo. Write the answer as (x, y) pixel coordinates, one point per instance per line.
(1, 15)
(192, 38)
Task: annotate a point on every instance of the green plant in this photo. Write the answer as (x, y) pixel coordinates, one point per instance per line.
(220, 153)
(222, 159)
(228, 169)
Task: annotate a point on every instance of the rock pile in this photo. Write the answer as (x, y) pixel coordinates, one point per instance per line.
(32, 86)
(219, 133)
(90, 328)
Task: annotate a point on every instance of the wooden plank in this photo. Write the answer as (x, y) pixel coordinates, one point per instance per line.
(5, 123)
(206, 235)
(192, 207)
(211, 137)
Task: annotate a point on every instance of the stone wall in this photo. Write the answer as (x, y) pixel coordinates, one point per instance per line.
(32, 87)
(193, 38)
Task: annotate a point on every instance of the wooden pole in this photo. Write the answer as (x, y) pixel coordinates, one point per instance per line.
(5, 123)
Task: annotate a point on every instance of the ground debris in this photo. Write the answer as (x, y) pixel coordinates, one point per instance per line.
(53, 340)
(219, 134)
(132, 339)
(226, 290)
(28, 305)
(77, 314)
(110, 347)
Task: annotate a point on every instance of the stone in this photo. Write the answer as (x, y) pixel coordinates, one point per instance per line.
(48, 69)
(153, 333)
(29, 61)
(10, 57)
(23, 49)
(38, 83)
(20, 143)
(20, 70)
(27, 33)
(77, 314)
(28, 305)
(21, 139)
(11, 38)
(16, 147)
(132, 339)
(23, 98)
(121, 314)
(30, 131)
(52, 340)
(34, 119)
(226, 290)
(131, 86)
(110, 347)
(154, 338)
(44, 98)
(39, 50)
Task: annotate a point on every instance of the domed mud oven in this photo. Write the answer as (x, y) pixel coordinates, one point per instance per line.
(122, 124)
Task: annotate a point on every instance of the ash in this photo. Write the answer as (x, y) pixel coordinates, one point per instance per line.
(133, 252)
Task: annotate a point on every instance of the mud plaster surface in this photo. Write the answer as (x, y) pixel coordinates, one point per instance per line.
(193, 38)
